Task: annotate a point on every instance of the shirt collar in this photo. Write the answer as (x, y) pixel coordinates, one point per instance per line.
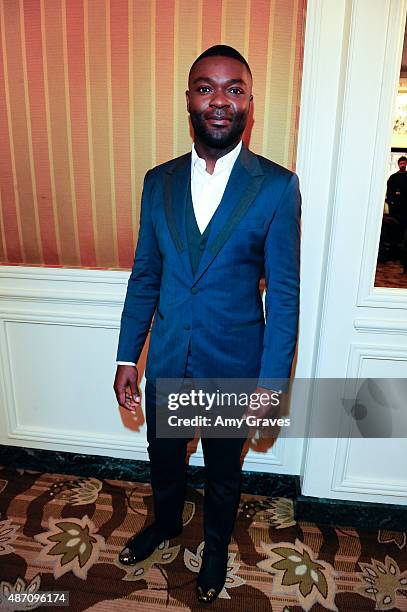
(223, 163)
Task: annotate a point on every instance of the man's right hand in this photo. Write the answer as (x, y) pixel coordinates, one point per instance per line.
(126, 379)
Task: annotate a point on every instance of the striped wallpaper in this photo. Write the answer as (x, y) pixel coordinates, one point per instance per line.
(92, 96)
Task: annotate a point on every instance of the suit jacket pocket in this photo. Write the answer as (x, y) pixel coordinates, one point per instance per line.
(242, 326)
(250, 223)
(158, 323)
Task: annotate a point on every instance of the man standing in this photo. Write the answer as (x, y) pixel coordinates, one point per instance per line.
(396, 195)
(213, 223)
(396, 198)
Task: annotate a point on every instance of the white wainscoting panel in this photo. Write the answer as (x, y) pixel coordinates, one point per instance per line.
(376, 466)
(359, 468)
(58, 341)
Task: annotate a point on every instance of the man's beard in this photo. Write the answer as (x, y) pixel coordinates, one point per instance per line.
(218, 138)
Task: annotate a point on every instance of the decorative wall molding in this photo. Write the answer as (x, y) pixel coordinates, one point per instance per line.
(63, 274)
(342, 481)
(382, 297)
(381, 326)
(360, 352)
(78, 299)
(25, 315)
(63, 285)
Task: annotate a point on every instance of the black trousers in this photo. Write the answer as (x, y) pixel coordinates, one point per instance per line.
(168, 480)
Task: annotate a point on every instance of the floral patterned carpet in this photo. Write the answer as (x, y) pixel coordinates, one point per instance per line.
(63, 533)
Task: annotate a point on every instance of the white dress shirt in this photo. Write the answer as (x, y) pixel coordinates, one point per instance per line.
(207, 190)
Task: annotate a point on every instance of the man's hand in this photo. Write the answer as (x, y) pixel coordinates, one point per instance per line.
(126, 378)
(266, 403)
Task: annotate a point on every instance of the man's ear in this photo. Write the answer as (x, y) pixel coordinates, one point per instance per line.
(187, 99)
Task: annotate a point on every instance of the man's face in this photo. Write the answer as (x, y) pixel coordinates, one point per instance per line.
(402, 165)
(218, 100)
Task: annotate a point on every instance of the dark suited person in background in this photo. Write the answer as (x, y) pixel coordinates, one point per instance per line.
(396, 222)
(213, 223)
(396, 194)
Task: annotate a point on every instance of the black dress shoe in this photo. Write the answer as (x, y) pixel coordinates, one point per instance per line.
(212, 576)
(143, 544)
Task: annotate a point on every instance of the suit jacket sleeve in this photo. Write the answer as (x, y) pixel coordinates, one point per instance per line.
(282, 273)
(143, 286)
(390, 192)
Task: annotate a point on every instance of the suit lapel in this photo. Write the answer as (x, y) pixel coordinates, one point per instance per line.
(242, 187)
(176, 182)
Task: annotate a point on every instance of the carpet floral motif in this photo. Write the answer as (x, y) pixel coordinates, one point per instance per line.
(85, 491)
(8, 534)
(70, 544)
(3, 484)
(77, 492)
(20, 587)
(382, 581)
(188, 512)
(280, 514)
(399, 538)
(296, 572)
(249, 508)
(193, 562)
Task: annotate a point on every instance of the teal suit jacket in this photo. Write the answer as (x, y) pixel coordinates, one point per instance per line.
(255, 232)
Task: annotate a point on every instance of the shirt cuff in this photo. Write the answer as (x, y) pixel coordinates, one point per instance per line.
(126, 363)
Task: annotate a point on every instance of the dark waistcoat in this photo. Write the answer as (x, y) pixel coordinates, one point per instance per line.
(196, 246)
(196, 240)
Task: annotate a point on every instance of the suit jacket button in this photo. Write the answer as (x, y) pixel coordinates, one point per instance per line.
(194, 290)
(201, 247)
(187, 327)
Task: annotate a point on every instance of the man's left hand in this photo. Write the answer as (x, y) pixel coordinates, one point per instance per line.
(265, 403)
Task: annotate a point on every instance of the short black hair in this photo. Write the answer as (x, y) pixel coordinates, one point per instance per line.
(222, 51)
(402, 158)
